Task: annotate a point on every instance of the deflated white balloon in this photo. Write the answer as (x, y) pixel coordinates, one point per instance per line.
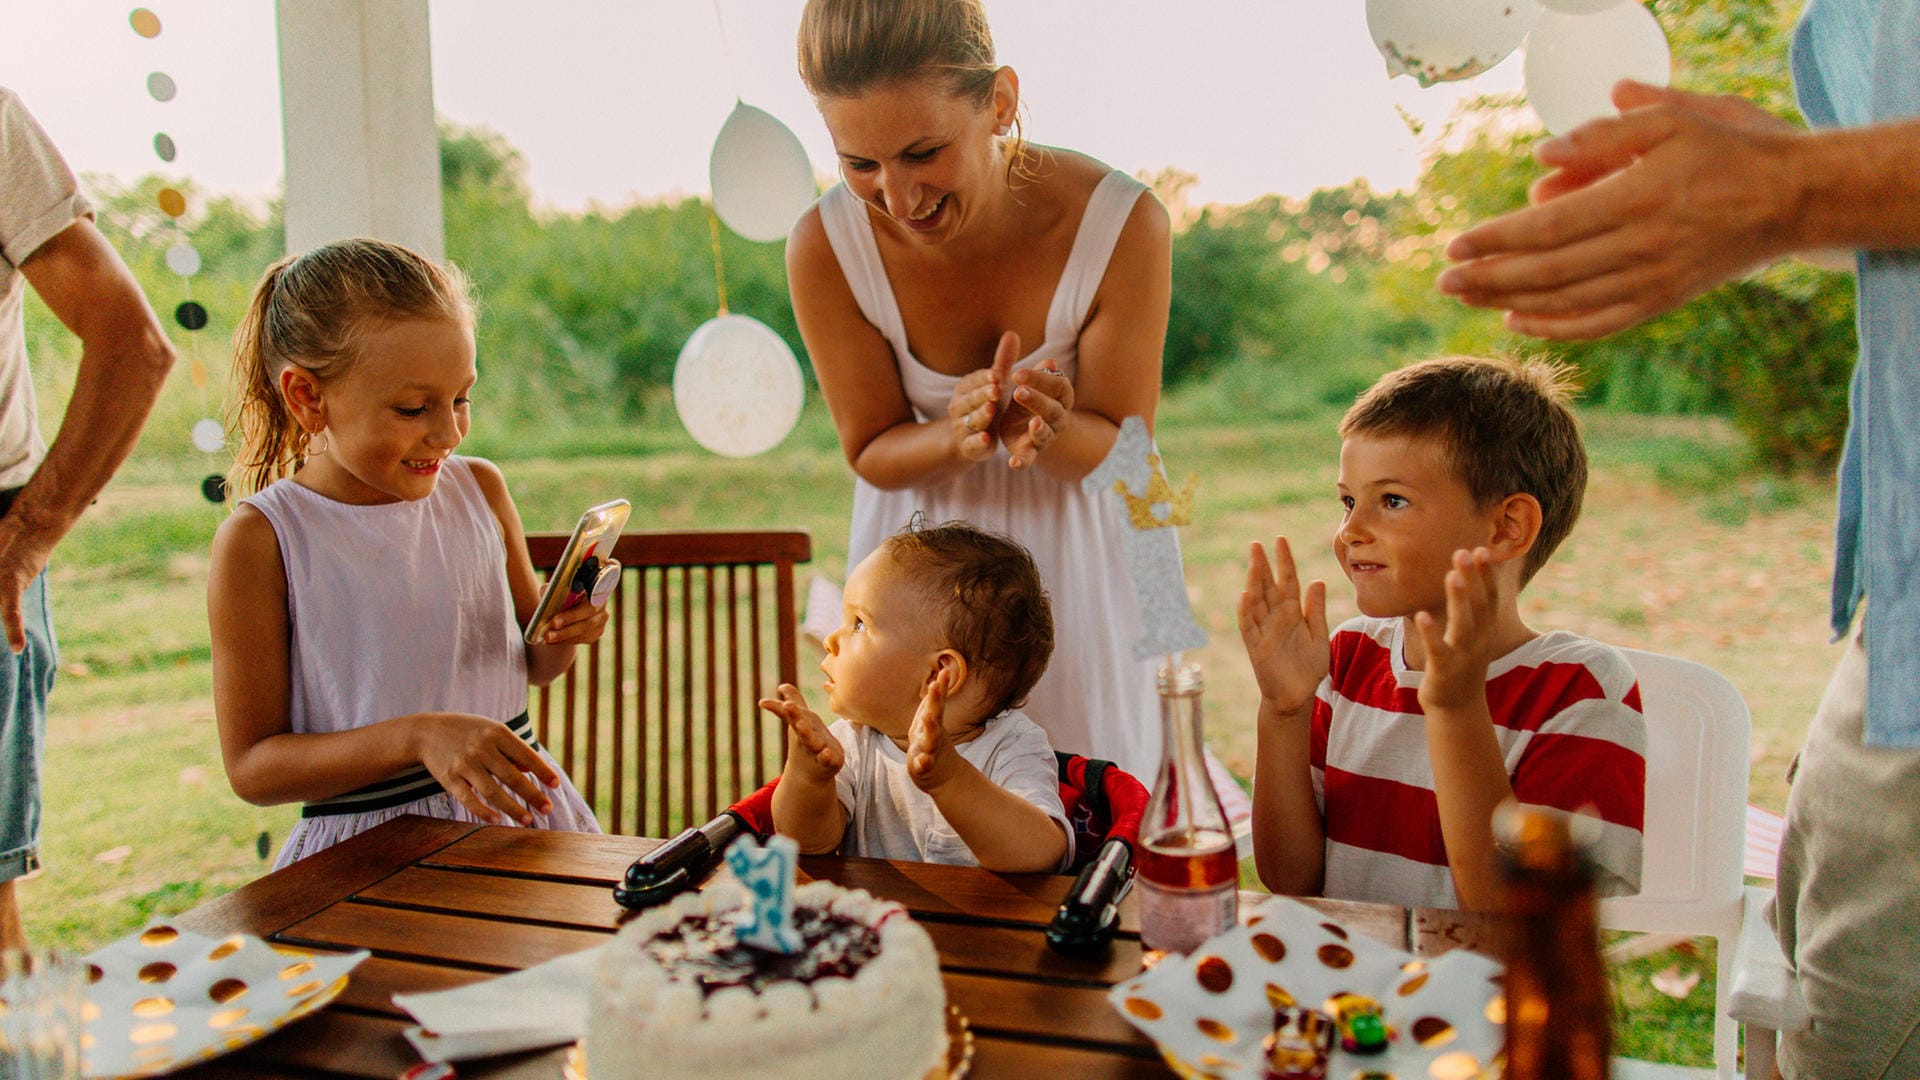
(1579, 7)
(737, 386)
(1444, 40)
(762, 181)
(1573, 61)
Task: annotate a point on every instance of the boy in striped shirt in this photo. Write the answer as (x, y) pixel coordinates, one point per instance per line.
(1384, 748)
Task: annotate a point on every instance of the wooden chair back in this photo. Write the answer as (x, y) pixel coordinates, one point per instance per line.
(656, 722)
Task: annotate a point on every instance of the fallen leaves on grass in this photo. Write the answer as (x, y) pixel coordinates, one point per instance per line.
(1676, 982)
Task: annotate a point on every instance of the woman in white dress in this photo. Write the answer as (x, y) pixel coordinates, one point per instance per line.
(982, 313)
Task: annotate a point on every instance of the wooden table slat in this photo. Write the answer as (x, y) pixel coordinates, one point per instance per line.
(483, 944)
(542, 853)
(1062, 1013)
(378, 978)
(430, 889)
(997, 1057)
(267, 904)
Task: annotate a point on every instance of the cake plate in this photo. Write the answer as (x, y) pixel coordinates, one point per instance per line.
(959, 1052)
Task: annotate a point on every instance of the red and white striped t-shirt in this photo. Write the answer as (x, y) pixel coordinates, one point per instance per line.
(1566, 711)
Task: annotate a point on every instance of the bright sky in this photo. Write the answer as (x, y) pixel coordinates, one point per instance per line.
(612, 100)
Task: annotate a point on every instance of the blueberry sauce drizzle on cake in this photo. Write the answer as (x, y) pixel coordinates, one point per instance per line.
(708, 951)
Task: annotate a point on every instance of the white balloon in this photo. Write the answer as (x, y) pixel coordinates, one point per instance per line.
(208, 436)
(737, 386)
(1572, 62)
(1579, 7)
(762, 180)
(1444, 40)
(182, 259)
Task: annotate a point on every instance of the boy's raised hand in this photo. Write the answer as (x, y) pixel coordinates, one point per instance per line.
(824, 754)
(1459, 651)
(931, 758)
(1284, 630)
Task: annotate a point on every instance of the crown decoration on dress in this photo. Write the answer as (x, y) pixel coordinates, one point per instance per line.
(1179, 504)
(1152, 542)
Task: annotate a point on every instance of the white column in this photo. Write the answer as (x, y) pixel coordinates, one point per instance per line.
(356, 99)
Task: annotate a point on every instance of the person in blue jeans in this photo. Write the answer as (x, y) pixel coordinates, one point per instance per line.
(1648, 210)
(48, 241)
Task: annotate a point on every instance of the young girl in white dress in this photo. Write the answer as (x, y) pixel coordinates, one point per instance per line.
(366, 597)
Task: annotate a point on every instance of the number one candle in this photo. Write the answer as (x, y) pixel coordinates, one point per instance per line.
(766, 872)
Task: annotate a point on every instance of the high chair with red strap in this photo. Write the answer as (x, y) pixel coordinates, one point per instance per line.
(1103, 803)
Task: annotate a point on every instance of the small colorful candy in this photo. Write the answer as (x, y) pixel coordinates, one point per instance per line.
(1357, 1017)
(1300, 1046)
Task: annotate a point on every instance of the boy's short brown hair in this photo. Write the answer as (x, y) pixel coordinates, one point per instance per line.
(1505, 426)
(997, 612)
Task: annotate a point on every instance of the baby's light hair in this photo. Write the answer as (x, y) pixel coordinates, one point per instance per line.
(312, 310)
(1505, 426)
(988, 589)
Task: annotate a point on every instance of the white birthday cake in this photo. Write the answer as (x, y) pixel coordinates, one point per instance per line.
(678, 994)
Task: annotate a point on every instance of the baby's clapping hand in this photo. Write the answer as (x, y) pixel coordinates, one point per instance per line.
(822, 750)
(581, 624)
(931, 758)
(1284, 629)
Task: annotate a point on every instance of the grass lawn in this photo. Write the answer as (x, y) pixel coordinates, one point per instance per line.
(1681, 550)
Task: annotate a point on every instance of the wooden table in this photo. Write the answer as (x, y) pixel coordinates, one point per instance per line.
(443, 904)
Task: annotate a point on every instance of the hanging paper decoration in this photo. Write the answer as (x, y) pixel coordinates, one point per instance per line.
(762, 180)
(737, 386)
(209, 436)
(183, 258)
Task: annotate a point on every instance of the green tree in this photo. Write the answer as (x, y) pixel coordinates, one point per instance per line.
(1773, 351)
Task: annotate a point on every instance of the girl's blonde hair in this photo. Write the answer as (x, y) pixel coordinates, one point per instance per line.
(848, 47)
(313, 310)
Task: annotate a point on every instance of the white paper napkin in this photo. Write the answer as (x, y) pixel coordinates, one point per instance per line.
(544, 1005)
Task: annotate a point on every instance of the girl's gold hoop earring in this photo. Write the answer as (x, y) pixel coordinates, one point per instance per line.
(318, 442)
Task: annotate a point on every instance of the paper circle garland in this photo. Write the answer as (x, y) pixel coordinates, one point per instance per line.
(172, 203)
(161, 86)
(1572, 62)
(1444, 42)
(762, 180)
(190, 315)
(737, 386)
(182, 259)
(208, 436)
(163, 146)
(144, 22)
(214, 488)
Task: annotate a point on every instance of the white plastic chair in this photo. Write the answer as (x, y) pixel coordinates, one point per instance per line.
(1698, 738)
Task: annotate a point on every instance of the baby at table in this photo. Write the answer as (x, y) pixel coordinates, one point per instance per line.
(944, 630)
(365, 597)
(1385, 747)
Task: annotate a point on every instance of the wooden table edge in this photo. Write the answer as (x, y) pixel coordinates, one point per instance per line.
(269, 904)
